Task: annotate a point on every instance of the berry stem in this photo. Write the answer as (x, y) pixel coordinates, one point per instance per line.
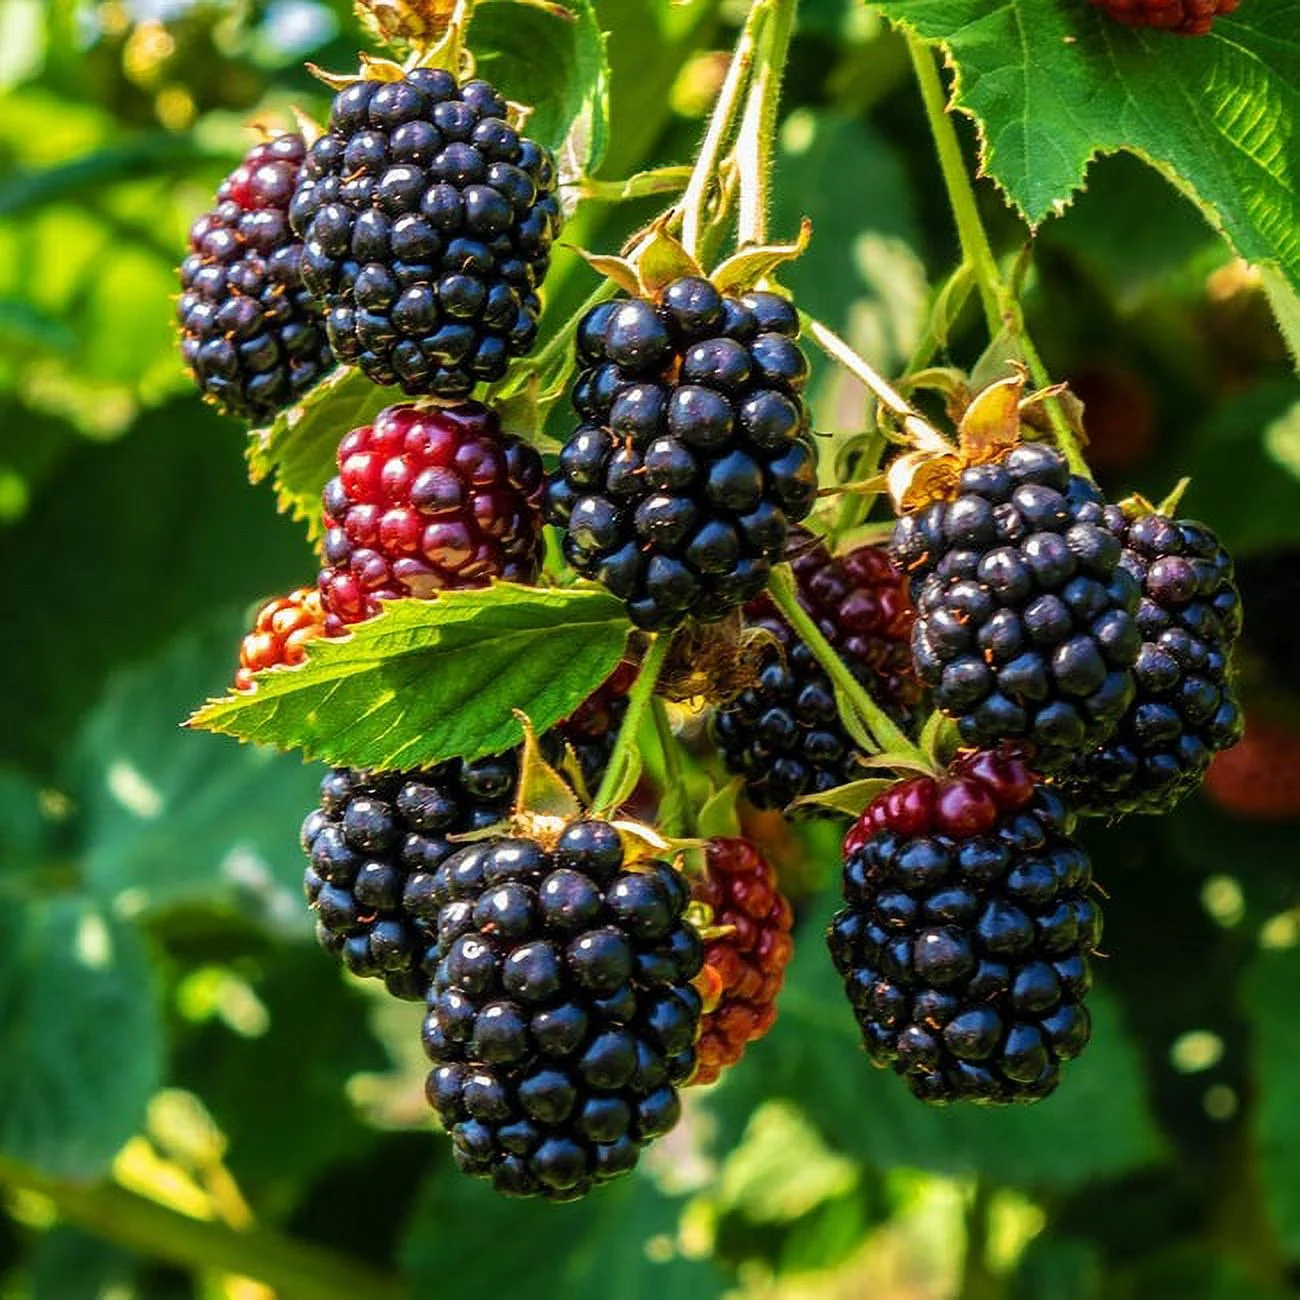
(757, 137)
(682, 825)
(611, 793)
(704, 173)
(1001, 309)
(887, 734)
(287, 1266)
(912, 422)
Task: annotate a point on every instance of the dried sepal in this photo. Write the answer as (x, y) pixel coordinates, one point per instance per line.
(918, 478)
(990, 426)
(750, 266)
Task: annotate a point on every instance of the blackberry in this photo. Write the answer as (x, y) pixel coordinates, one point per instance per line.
(964, 940)
(591, 729)
(250, 332)
(426, 501)
(428, 222)
(280, 634)
(1185, 17)
(561, 1015)
(1025, 622)
(744, 967)
(783, 734)
(1184, 710)
(693, 455)
(369, 835)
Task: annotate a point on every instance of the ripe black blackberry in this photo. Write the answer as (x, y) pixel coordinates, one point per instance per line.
(783, 733)
(693, 456)
(561, 1015)
(370, 833)
(1184, 710)
(965, 935)
(428, 222)
(1025, 620)
(250, 331)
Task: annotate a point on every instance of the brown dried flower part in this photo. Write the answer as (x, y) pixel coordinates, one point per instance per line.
(413, 23)
(712, 662)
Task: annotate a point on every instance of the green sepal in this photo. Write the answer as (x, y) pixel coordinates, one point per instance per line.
(851, 798)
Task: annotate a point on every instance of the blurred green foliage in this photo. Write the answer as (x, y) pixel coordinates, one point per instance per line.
(166, 1023)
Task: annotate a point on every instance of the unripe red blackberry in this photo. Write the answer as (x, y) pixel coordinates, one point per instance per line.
(561, 1015)
(427, 501)
(1184, 17)
(965, 935)
(428, 221)
(280, 634)
(1025, 624)
(784, 734)
(1184, 710)
(370, 833)
(250, 332)
(744, 967)
(693, 456)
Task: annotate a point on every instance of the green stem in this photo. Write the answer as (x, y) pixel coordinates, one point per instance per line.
(638, 699)
(1001, 310)
(705, 171)
(674, 778)
(975, 247)
(756, 141)
(917, 428)
(289, 1267)
(887, 734)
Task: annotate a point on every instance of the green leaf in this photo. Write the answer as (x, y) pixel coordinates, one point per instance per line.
(1285, 302)
(814, 1058)
(556, 65)
(80, 1040)
(1051, 84)
(850, 799)
(621, 1240)
(1270, 997)
(126, 542)
(429, 680)
(299, 449)
(172, 818)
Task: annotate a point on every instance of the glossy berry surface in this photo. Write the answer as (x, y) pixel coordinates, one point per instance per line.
(561, 1018)
(745, 967)
(693, 454)
(427, 223)
(1184, 710)
(1026, 622)
(250, 332)
(783, 734)
(964, 940)
(427, 501)
(280, 634)
(1184, 17)
(369, 835)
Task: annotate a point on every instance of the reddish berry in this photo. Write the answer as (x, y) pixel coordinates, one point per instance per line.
(1184, 17)
(249, 331)
(745, 967)
(964, 938)
(784, 733)
(280, 634)
(428, 501)
(1260, 777)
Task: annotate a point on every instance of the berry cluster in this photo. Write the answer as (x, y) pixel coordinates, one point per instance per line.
(280, 634)
(249, 330)
(965, 935)
(744, 965)
(693, 456)
(561, 1014)
(1184, 710)
(1185, 17)
(1025, 622)
(783, 734)
(427, 223)
(428, 501)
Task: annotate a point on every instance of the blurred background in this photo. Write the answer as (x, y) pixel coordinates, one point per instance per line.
(191, 1094)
